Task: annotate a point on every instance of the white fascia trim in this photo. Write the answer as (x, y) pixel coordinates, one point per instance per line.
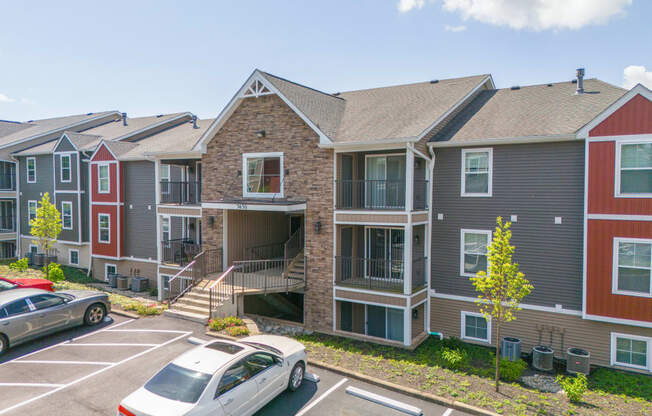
(62, 191)
(617, 138)
(153, 126)
(463, 231)
(614, 267)
(368, 145)
(173, 155)
(62, 129)
(490, 172)
(522, 305)
(475, 89)
(463, 315)
(636, 90)
(372, 292)
(72, 243)
(140, 259)
(245, 174)
(117, 204)
(101, 256)
(648, 352)
(370, 223)
(97, 149)
(553, 138)
(64, 135)
(364, 302)
(253, 207)
(618, 217)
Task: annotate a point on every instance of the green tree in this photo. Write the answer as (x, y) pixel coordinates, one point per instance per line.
(502, 287)
(46, 227)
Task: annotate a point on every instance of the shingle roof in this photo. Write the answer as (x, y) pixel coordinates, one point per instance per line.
(537, 110)
(119, 148)
(117, 129)
(9, 127)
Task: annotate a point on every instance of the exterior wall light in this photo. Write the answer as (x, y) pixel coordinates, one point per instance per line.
(317, 227)
(260, 134)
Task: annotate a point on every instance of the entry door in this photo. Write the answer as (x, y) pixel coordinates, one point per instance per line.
(376, 321)
(385, 253)
(346, 250)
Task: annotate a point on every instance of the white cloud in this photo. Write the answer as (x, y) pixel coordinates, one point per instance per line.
(532, 14)
(407, 5)
(449, 28)
(635, 74)
(5, 99)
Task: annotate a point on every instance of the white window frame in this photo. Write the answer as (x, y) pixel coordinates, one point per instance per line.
(617, 168)
(614, 267)
(29, 248)
(99, 178)
(29, 205)
(165, 178)
(490, 172)
(245, 174)
(33, 159)
(70, 257)
(463, 231)
(166, 219)
(106, 272)
(647, 340)
(69, 168)
(63, 211)
(99, 228)
(463, 315)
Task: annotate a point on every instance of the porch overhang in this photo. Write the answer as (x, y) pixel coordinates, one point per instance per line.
(258, 204)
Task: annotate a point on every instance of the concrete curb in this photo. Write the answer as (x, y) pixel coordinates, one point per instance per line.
(216, 334)
(453, 404)
(122, 312)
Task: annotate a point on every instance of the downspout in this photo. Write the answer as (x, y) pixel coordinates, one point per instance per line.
(17, 218)
(431, 189)
(90, 219)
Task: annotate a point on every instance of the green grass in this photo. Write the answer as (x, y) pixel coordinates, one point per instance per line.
(637, 386)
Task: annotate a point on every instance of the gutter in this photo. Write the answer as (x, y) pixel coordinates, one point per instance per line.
(152, 126)
(345, 145)
(510, 140)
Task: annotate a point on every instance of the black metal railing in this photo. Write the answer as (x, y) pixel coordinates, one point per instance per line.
(374, 274)
(419, 273)
(179, 251)
(370, 194)
(188, 192)
(265, 251)
(7, 223)
(205, 263)
(294, 245)
(7, 182)
(420, 194)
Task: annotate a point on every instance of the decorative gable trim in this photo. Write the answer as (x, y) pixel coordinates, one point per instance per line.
(64, 136)
(98, 148)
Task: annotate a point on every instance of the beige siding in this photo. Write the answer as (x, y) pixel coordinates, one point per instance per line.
(418, 327)
(368, 297)
(418, 298)
(420, 218)
(62, 250)
(127, 268)
(254, 228)
(164, 210)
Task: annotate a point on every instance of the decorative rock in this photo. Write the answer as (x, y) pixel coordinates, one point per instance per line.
(544, 383)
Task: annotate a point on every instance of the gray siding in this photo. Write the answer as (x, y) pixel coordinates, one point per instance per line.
(73, 234)
(536, 182)
(65, 146)
(34, 191)
(66, 186)
(140, 210)
(85, 199)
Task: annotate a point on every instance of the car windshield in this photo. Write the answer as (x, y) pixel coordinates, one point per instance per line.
(263, 347)
(178, 383)
(4, 285)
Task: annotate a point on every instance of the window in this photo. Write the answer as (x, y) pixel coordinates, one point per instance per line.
(73, 257)
(178, 383)
(165, 228)
(104, 228)
(385, 182)
(632, 267)
(635, 176)
(165, 179)
(384, 253)
(473, 251)
(46, 301)
(103, 183)
(263, 174)
(18, 307)
(66, 215)
(31, 170)
(630, 351)
(477, 169)
(233, 377)
(475, 327)
(33, 248)
(31, 209)
(65, 168)
(109, 269)
(259, 362)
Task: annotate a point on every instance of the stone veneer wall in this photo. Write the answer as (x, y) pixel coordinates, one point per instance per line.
(310, 178)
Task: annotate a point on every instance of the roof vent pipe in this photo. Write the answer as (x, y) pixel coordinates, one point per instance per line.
(580, 81)
(124, 119)
(194, 122)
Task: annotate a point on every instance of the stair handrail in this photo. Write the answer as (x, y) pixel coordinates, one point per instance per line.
(178, 276)
(295, 239)
(212, 291)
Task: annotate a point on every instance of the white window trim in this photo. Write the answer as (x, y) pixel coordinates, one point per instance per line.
(165, 178)
(29, 248)
(614, 267)
(648, 342)
(464, 314)
(99, 180)
(29, 204)
(69, 168)
(463, 231)
(490, 164)
(99, 228)
(70, 257)
(617, 169)
(106, 272)
(245, 173)
(63, 210)
(166, 218)
(27, 169)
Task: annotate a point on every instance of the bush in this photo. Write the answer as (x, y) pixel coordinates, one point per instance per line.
(56, 274)
(143, 309)
(223, 323)
(153, 291)
(510, 371)
(574, 387)
(453, 358)
(19, 265)
(237, 331)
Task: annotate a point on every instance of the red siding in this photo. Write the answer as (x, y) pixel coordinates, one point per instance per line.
(112, 196)
(599, 299)
(102, 154)
(104, 249)
(635, 117)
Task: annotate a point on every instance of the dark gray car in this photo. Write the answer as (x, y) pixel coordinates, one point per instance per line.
(26, 314)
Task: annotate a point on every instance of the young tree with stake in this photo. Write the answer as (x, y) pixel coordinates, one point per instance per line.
(502, 287)
(46, 228)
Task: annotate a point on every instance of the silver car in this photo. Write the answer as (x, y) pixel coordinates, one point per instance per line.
(26, 314)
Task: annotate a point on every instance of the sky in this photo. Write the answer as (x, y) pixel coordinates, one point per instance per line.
(154, 57)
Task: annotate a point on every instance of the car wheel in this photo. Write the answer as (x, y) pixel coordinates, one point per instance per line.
(296, 376)
(94, 314)
(3, 344)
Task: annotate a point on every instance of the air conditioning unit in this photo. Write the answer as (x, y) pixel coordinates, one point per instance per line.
(578, 361)
(542, 358)
(510, 348)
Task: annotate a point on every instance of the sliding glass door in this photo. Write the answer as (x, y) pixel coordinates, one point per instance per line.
(385, 182)
(384, 253)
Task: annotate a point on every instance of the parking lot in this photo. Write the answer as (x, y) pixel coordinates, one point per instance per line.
(87, 371)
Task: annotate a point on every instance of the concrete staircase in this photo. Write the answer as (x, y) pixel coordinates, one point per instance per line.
(193, 306)
(297, 267)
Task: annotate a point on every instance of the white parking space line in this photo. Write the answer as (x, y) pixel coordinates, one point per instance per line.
(162, 331)
(384, 401)
(108, 344)
(447, 412)
(93, 374)
(63, 362)
(30, 385)
(320, 398)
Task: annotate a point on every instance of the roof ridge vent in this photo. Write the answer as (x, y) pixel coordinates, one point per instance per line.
(124, 119)
(515, 87)
(434, 81)
(580, 81)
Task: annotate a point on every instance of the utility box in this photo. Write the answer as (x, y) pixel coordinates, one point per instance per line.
(139, 284)
(510, 348)
(123, 282)
(542, 358)
(578, 361)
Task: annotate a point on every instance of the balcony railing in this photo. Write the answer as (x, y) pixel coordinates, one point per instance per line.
(378, 194)
(181, 192)
(374, 274)
(179, 251)
(7, 224)
(7, 182)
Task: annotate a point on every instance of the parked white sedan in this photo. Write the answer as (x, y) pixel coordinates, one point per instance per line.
(221, 378)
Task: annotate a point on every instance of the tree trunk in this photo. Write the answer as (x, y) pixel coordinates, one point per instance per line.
(497, 354)
(47, 265)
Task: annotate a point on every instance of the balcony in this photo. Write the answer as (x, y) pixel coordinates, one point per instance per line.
(7, 182)
(7, 224)
(378, 274)
(379, 194)
(181, 193)
(179, 251)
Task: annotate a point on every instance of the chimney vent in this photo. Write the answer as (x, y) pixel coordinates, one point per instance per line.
(580, 81)
(124, 119)
(194, 122)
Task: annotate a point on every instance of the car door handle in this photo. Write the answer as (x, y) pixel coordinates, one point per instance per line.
(264, 379)
(5, 323)
(42, 315)
(228, 401)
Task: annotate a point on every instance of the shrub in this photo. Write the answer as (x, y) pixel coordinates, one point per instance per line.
(56, 274)
(153, 291)
(574, 387)
(142, 309)
(19, 265)
(223, 323)
(510, 371)
(453, 358)
(237, 331)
